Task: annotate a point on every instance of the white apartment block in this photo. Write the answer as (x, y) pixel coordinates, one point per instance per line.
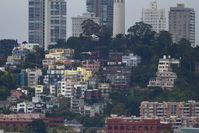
(29, 46)
(165, 77)
(66, 89)
(182, 22)
(131, 60)
(53, 90)
(77, 23)
(154, 17)
(24, 107)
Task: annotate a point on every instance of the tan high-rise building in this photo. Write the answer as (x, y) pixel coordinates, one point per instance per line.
(182, 23)
(118, 17)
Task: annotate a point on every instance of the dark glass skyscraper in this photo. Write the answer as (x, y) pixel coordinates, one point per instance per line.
(103, 9)
(36, 19)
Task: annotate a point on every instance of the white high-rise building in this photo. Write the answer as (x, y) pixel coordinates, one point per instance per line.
(47, 21)
(77, 23)
(66, 89)
(118, 17)
(154, 17)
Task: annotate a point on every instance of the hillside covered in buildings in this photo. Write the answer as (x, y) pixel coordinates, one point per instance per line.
(82, 67)
(87, 78)
(151, 49)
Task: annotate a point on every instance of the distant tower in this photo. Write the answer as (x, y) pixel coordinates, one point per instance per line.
(119, 17)
(182, 23)
(102, 9)
(47, 22)
(154, 17)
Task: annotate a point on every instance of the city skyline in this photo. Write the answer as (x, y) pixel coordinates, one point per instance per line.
(13, 27)
(123, 66)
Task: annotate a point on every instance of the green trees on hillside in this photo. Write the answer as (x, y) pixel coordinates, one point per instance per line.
(36, 126)
(6, 47)
(34, 58)
(90, 27)
(7, 83)
(141, 32)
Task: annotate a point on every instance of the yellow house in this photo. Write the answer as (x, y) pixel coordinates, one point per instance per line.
(86, 73)
(80, 74)
(39, 89)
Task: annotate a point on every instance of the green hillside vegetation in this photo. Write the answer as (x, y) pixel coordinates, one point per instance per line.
(34, 58)
(6, 47)
(140, 40)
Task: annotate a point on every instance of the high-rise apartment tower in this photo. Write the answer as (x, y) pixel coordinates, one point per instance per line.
(47, 21)
(102, 9)
(182, 23)
(154, 17)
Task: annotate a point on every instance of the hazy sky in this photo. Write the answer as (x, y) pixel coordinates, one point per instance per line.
(14, 15)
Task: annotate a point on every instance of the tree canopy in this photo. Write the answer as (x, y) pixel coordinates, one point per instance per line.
(6, 47)
(7, 83)
(90, 27)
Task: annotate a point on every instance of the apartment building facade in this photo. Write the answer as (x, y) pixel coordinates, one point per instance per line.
(165, 77)
(182, 24)
(179, 114)
(154, 17)
(47, 21)
(167, 109)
